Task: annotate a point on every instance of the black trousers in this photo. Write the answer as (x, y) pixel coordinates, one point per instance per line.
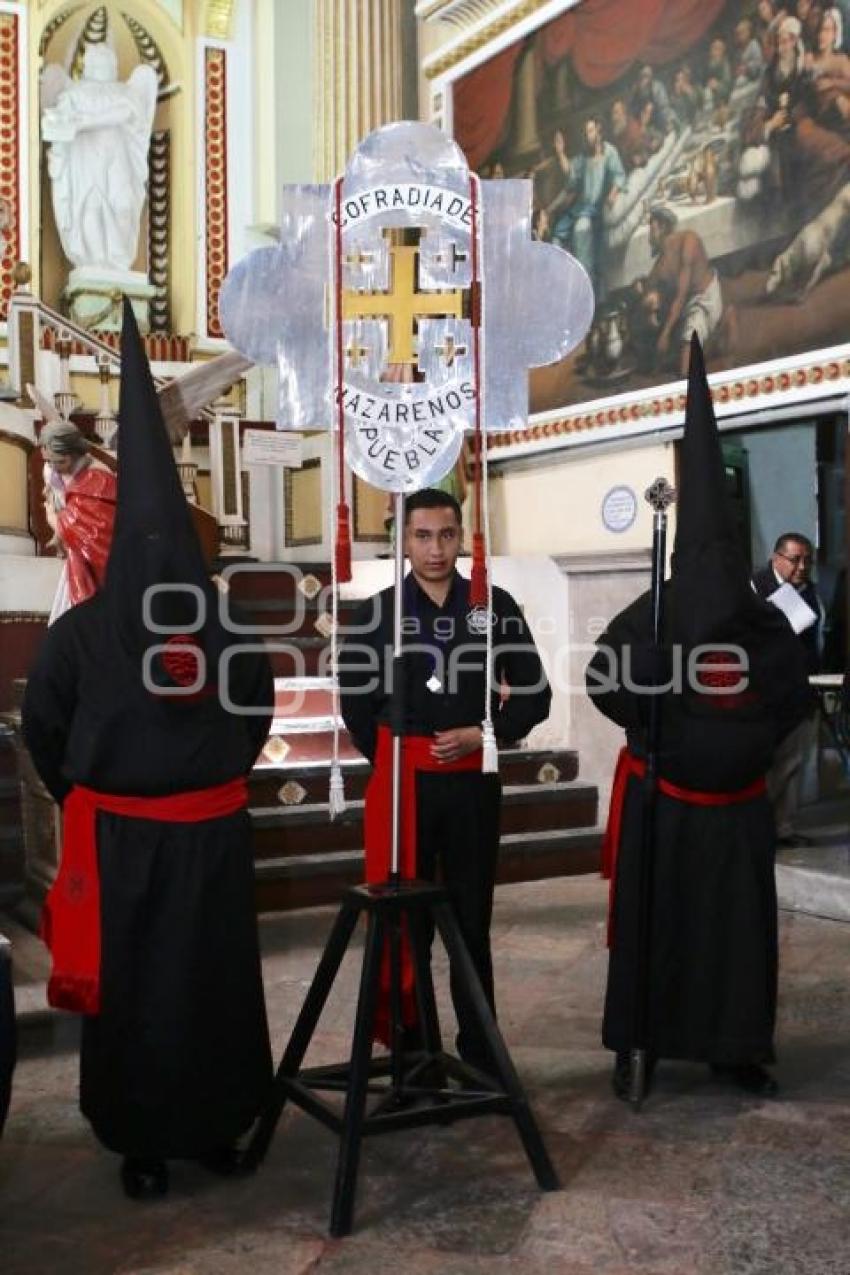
(458, 840)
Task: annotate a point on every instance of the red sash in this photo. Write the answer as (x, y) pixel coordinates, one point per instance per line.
(416, 755)
(70, 923)
(628, 765)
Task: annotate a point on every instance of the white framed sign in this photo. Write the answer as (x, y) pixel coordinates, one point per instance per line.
(619, 508)
(272, 447)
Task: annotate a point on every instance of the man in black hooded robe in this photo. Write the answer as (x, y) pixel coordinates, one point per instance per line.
(739, 687)
(153, 931)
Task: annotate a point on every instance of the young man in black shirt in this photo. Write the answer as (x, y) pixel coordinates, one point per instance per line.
(456, 819)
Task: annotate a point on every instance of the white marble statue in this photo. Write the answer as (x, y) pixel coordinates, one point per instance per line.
(98, 129)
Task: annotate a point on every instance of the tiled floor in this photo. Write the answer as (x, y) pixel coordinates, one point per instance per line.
(703, 1180)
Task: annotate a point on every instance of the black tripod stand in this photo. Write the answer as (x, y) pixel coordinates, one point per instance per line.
(410, 1087)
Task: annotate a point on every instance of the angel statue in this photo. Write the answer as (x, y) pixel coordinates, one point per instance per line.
(99, 131)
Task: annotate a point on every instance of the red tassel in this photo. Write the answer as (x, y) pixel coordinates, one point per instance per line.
(343, 544)
(478, 579)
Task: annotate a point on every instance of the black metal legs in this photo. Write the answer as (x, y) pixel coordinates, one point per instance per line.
(412, 1087)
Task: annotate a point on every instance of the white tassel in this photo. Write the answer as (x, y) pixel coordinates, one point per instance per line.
(336, 792)
(489, 750)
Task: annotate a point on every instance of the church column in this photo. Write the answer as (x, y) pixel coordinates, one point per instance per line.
(527, 139)
(358, 75)
(358, 85)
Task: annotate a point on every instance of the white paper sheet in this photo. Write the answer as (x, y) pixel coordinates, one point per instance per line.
(798, 613)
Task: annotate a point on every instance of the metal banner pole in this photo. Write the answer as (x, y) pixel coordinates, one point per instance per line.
(659, 495)
(398, 700)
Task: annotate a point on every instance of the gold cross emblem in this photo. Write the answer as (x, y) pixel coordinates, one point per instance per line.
(452, 258)
(402, 305)
(356, 354)
(449, 351)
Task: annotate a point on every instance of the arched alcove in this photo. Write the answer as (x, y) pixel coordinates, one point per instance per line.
(149, 32)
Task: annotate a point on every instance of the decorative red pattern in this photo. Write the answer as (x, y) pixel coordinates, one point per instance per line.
(160, 347)
(9, 155)
(179, 662)
(776, 384)
(215, 162)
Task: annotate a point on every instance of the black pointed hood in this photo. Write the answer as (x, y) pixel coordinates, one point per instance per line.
(150, 497)
(711, 598)
(704, 515)
(154, 541)
(710, 588)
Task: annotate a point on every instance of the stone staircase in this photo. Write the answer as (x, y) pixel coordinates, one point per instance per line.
(549, 817)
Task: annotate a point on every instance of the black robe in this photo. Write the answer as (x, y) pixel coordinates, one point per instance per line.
(713, 964)
(178, 1060)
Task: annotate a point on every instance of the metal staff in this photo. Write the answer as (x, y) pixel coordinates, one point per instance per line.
(660, 495)
(397, 725)
(397, 708)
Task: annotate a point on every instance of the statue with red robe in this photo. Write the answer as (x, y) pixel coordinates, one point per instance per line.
(80, 501)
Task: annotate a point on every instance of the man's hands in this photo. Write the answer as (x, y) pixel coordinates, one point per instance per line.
(451, 745)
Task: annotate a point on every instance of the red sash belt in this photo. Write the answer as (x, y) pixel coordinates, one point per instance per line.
(628, 765)
(70, 923)
(416, 755)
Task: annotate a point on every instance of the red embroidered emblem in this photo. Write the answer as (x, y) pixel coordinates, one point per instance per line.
(726, 684)
(730, 673)
(181, 664)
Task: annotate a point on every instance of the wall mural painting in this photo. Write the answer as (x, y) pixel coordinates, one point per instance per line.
(695, 156)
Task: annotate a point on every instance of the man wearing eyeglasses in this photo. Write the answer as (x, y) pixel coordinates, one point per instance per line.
(790, 564)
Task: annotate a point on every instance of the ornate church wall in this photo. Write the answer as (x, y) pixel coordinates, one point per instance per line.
(507, 78)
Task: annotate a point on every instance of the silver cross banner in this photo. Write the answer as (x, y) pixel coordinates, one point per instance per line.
(400, 280)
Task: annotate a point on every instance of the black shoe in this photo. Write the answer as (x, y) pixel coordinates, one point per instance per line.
(795, 841)
(144, 1179)
(622, 1074)
(224, 1160)
(750, 1077)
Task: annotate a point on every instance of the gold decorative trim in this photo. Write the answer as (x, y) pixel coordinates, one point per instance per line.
(159, 225)
(737, 390)
(217, 19)
(291, 793)
(289, 479)
(362, 533)
(215, 162)
(276, 749)
(95, 31)
(58, 20)
(10, 194)
(148, 51)
(356, 76)
(24, 617)
(473, 43)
